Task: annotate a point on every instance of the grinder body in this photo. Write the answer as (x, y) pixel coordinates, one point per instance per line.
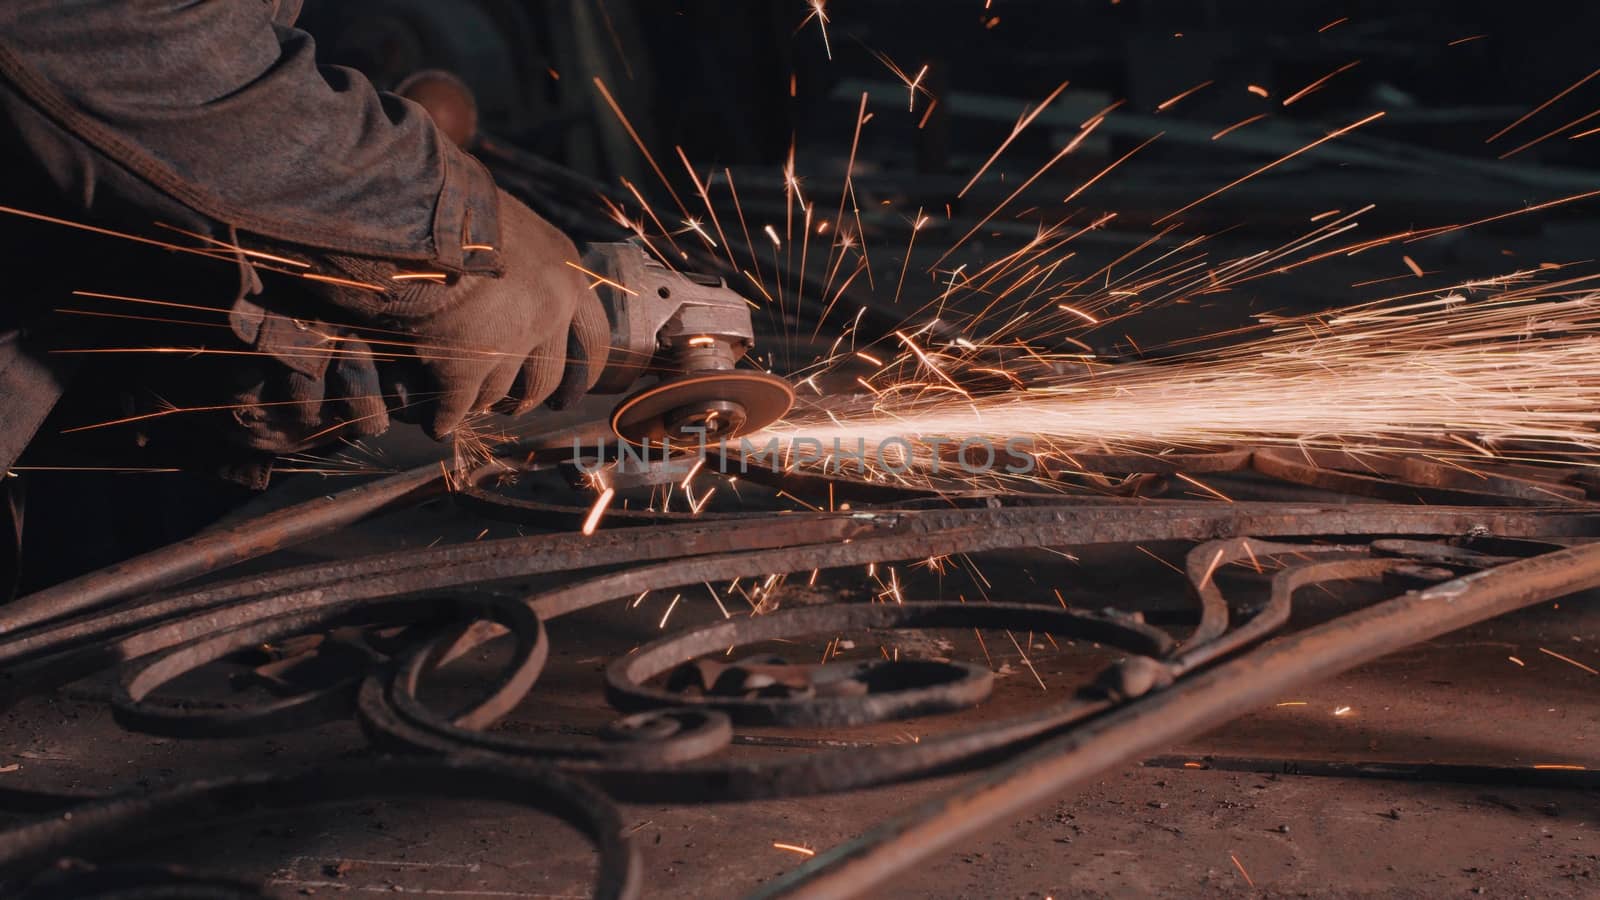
(690, 330)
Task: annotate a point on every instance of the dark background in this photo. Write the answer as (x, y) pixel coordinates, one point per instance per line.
(713, 76)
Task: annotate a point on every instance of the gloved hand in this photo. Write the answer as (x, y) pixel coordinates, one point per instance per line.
(535, 334)
(320, 384)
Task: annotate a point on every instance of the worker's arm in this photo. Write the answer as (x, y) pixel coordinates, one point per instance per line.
(219, 111)
(218, 106)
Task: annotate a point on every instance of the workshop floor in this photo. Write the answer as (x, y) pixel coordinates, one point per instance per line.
(1219, 816)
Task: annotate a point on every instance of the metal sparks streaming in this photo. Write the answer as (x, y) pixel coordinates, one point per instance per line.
(1508, 375)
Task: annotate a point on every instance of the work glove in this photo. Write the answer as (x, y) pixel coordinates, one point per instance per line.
(536, 334)
(222, 407)
(467, 344)
(314, 384)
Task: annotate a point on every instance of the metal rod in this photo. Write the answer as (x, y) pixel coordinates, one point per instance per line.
(1206, 700)
(215, 550)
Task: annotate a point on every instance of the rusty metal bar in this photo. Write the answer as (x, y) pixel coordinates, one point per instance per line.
(215, 550)
(1192, 706)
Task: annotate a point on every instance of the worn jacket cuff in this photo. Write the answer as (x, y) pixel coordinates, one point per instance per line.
(466, 224)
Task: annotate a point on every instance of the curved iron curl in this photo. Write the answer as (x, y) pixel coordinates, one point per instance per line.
(133, 707)
(98, 827)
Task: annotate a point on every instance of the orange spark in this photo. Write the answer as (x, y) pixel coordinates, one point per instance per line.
(1107, 170)
(912, 86)
(1334, 135)
(1550, 134)
(1240, 867)
(650, 211)
(1071, 146)
(1541, 107)
(1319, 82)
(592, 521)
(1570, 661)
(821, 15)
(916, 226)
(1238, 125)
(1163, 105)
(344, 282)
(639, 142)
(256, 254)
(670, 607)
(927, 360)
(1446, 229)
(1204, 487)
(694, 225)
(1078, 312)
(1211, 569)
(705, 198)
(601, 279)
(41, 217)
(849, 172)
(1022, 123)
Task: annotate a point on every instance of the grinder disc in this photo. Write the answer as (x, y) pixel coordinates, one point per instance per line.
(727, 403)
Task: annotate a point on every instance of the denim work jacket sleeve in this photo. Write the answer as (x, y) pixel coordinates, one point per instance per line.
(217, 108)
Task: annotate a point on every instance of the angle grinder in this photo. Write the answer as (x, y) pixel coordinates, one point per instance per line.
(689, 330)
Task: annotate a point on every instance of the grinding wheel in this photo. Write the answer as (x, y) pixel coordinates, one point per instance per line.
(719, 404)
